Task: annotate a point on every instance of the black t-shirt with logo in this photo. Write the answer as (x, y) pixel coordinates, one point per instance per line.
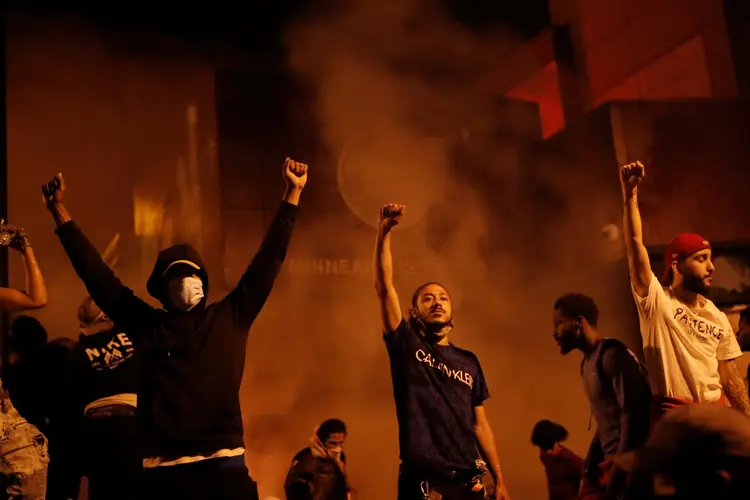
(104, 364)
(436, 389)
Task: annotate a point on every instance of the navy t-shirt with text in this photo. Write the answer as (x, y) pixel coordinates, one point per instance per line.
(436, 388)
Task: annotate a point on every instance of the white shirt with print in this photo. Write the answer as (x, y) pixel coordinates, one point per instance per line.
(682, 347)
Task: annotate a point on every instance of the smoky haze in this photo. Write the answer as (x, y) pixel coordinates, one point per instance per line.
(393, 81)
(111, 121)
(391, 78)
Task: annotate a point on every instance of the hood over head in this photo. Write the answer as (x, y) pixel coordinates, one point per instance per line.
(175, 261)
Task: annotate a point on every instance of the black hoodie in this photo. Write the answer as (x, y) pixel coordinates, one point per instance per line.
(191, 362)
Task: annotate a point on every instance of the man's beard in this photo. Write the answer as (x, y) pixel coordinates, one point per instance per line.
(566, 348)
(695, 284)
(437, 329)
(569, 341)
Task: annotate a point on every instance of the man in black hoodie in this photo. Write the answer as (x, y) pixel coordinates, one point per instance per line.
(192, 355)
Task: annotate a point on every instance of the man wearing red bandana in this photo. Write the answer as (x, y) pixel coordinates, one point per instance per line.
(689, 347)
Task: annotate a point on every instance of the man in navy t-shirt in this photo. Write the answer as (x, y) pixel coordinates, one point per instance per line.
(439, 390)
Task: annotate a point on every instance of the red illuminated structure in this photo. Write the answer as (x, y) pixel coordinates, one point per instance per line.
(634, 50)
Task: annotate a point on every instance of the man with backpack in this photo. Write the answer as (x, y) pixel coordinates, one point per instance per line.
(617, 388)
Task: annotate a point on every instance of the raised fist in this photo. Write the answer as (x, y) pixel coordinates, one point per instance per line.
(631, 174)
(16, 236)
(54, 190)
(390, 215)
(295, 173)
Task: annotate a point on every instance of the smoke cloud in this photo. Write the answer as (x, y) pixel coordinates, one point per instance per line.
(396, 96)
(111, 122)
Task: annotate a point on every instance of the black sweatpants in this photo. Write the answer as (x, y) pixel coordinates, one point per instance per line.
(215, 479)
(112, 457)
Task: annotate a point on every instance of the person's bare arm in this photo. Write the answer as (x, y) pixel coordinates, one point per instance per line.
(14, 300)
(486, 440)
(638, 261)
(390, 309)
(594, 456)
(35, 287)
(35, 296)
(734, 386)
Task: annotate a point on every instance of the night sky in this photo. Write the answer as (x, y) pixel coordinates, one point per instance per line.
(252, 28)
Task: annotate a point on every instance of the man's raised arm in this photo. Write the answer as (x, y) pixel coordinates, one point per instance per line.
(638, 261)
(107, 291)
(254, 288)
(390, 309)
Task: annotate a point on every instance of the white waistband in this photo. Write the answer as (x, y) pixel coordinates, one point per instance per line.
(129, 399)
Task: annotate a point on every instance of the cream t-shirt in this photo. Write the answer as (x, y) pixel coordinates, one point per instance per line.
(682, 347)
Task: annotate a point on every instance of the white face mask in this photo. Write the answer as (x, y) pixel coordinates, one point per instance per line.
(186, 293)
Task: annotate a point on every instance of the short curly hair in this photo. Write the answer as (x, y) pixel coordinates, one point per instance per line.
(547, 433)
(573, 305)
(331, 426)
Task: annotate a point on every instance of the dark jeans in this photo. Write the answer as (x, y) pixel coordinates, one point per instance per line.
(112, 456)
(417, 485)
(215, 479)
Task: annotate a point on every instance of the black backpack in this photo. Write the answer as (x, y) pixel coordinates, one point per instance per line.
(607, 344)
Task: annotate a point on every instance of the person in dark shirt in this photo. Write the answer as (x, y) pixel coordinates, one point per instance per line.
(26, 377)
(439, 389)
(319, 471)
(191, 354)
(564, 468)
(63, 481)
(616, 386)
(102, 401)
(35, 383)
